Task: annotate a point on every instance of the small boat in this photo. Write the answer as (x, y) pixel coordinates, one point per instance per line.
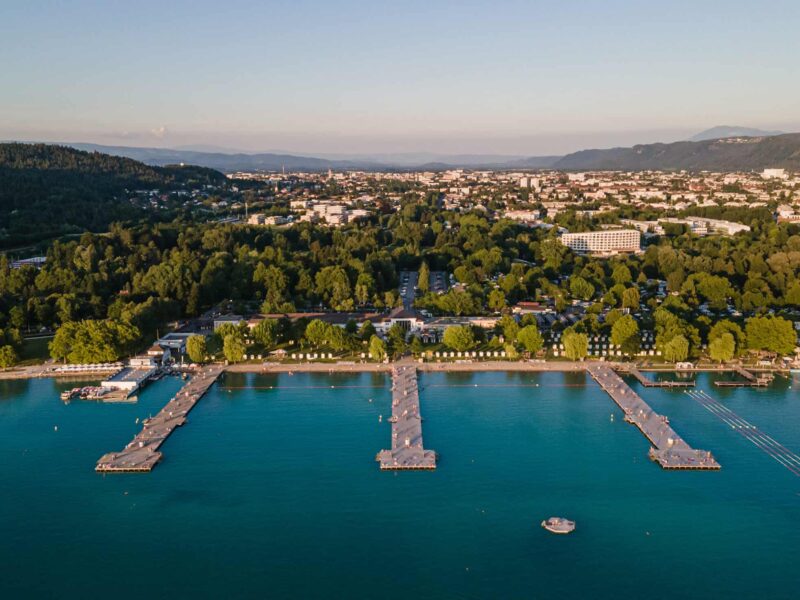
(70, 394)
(559, 525)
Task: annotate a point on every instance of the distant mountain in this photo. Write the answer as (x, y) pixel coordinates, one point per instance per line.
(220, 160)
(726, 131)
(417, 160)
(734, 154)
(48, 190)
(269, 161)
(534, 162)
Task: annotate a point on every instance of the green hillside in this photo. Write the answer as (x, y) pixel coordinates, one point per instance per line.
(728, 154)
(47, 190)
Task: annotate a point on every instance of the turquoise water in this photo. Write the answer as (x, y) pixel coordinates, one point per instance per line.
(275, 493)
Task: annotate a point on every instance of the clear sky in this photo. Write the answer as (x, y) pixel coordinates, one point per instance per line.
(522, 77)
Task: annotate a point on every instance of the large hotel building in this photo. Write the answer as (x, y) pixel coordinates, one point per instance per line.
(610, 241)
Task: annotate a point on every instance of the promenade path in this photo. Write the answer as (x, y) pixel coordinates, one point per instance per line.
(669, 449)
(407, 451)
(142, 454)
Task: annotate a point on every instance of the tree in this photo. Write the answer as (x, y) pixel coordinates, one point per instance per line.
(338, 339)
(233, 348)
(576, 345)
(625, 334)
(8, 357)
(423, 281)
(677, 349)
(367, 331)
(621, 274)
(16, 316)
(416, 345)
(792, 296)
(365, 288)
(497, 300)
(580, 288)
(530, 338)
(226, 329)
(669, 326)
(266, 332)
(771, 334)
(397, 338)
(275, 283)
(93, 341)
(317, 332)
(716, 290)
(193, 301)
(459, 337)
(631, 298)
(720, 328)
(333, 285)
(377, 348)
(509, 327)
(722, 348)
(196, 348)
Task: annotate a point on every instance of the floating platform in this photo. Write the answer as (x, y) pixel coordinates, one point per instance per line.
(142, 454)
(407, 453)
(669, 450)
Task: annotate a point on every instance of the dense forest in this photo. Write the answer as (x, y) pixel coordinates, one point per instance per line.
(150, 273)
(48, 191)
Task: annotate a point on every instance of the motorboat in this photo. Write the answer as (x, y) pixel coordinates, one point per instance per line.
(559, 525)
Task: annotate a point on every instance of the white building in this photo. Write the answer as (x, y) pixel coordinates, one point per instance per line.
(774, 174)
(611, 241)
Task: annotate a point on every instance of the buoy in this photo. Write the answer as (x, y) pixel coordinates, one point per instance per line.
(55, 428)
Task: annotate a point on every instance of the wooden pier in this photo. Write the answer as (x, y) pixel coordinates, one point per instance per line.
(142, 454)
(750, 379)
(407, 451)
(632, 370)
(669, 449)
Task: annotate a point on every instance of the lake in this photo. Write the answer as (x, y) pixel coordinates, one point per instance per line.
(271, 489)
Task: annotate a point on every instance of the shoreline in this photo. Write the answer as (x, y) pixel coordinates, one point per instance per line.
(549, 366)
(45, 372)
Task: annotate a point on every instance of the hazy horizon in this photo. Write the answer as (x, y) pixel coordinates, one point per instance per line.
(515, 78)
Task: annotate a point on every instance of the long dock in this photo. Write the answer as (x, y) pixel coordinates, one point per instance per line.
(669, 449)
(632, 370)
(142, 454)
(407, 451)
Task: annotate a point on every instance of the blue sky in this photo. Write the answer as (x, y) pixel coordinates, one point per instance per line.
(309, 76)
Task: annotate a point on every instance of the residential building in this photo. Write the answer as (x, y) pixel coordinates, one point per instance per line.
(608, 242)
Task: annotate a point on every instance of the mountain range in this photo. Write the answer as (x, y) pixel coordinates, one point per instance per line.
(720, 148)
(272, 161)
